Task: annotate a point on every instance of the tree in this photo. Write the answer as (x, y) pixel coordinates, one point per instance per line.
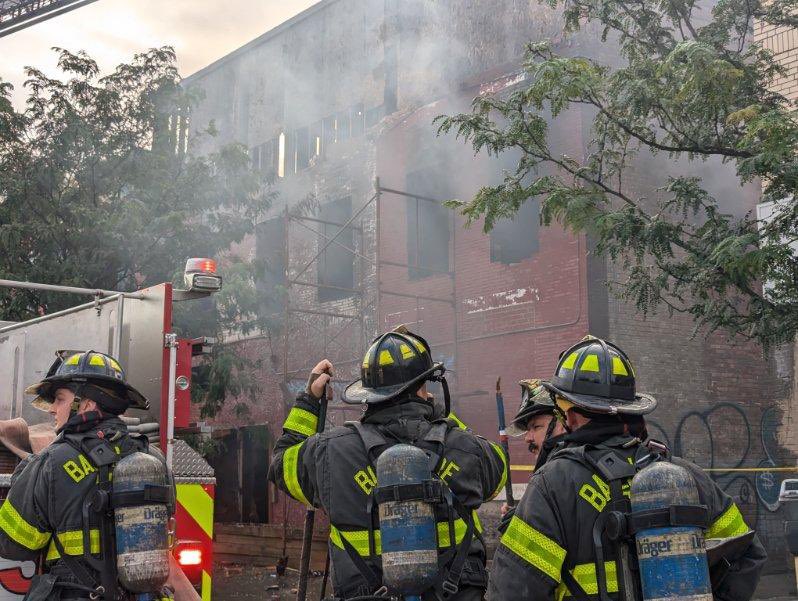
(689, 85)
(97, 191)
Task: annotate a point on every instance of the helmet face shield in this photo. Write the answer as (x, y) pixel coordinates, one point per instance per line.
(535, 400)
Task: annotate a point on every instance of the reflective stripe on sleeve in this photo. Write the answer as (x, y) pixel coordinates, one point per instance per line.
(585, 576)
(72, 541)
(456, 420)
(291, 474)
(730, 523)
(20, 531)
(302, 421)
(534, 547)
(359, 539)
(500, 452)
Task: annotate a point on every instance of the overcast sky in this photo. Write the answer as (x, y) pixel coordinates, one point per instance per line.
(111, 31)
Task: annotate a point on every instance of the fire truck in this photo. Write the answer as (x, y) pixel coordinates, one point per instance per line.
(135, 327)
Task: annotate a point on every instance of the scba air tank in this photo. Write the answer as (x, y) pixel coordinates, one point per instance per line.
(142, 530)
(407, 528)
(673, 559)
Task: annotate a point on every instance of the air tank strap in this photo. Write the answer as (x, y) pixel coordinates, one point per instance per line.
(429, 491)
(676, 515)
(152, 493)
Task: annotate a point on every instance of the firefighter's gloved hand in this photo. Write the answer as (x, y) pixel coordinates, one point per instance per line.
(505, 521)
(319, 378)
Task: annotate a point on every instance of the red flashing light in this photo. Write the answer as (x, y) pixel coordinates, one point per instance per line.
(189, 557)
(200, 266)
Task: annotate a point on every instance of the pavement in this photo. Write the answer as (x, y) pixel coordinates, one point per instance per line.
(233, 582)
(776, 587)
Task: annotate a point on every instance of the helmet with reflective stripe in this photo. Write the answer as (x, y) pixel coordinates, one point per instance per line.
(103, 372)
(394, 363)
(535, 400)
(597, 377)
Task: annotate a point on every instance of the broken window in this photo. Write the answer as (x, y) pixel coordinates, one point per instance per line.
(270, 265)
(428, 223)
(336, 266)
(516, 239)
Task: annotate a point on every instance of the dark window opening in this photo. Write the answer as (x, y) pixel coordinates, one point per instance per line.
(328, 137)
(342, 126)
(301, 149)
(516, 239)
(428, 223)
(270, 265)
(254, 157)
(358, 120)
(373, 116)
(268, 159)
(336, 265)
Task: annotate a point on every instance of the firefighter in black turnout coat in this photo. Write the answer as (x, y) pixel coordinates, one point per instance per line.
(335, 470)
(43, 513)
(548, 550)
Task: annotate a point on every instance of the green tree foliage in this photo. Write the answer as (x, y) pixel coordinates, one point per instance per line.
(96, 191)
(689, 85)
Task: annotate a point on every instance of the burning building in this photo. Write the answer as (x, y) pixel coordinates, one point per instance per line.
(336, 106)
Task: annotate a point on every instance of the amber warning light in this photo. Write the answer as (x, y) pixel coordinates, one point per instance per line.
(201, 276)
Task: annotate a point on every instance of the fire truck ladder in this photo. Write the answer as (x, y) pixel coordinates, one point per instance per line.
(19, 14)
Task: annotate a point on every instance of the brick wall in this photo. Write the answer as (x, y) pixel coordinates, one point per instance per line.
(407, 62)
(783, 43)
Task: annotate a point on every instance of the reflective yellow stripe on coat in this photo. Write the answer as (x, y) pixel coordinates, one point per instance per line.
(19, 530)
(730, 523)
(534, 547)
(503, 480)
(359, 539)
(585, 576)
(72, 541)
(302, 421)
(291, 473)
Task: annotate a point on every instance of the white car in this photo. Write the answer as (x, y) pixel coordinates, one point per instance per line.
(789, 490)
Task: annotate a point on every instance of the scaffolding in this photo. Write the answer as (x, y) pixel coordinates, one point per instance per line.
(341, 329)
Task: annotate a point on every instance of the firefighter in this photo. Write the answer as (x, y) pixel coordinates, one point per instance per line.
(43, 513)
(536, 420)
(538, 424)
(335, 470)
(548, 550)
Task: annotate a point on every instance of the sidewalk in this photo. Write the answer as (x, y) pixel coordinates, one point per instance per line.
(776, 587)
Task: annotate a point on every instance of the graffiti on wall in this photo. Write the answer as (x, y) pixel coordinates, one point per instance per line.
(722, 438)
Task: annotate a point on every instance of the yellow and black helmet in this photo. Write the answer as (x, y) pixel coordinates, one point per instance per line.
(99, 370)
(598, 377)
(535, 400)
(394, 363)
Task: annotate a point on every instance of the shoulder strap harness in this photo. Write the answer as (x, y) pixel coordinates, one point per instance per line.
(434, 491)
(618, 524)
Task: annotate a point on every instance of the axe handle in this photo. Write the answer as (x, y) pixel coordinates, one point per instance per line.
(508, 485)
(310, 514)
